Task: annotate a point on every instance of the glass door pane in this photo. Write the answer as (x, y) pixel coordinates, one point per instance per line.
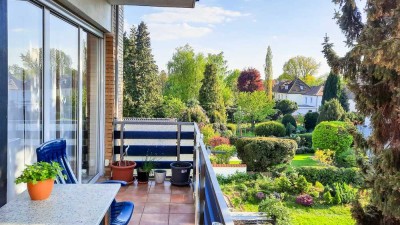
(63, 89)
(90, 108)
(25, 52)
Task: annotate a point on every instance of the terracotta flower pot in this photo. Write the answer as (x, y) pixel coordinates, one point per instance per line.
(123, 171)
(41, 190)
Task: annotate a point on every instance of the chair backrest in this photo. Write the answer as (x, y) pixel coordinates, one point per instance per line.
(56, 151)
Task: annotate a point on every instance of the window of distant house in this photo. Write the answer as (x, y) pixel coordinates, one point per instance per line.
(306, 100)
(301, 87)
(311, 99)
(286, 87)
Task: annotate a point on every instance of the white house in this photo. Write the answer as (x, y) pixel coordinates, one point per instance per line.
(307, 98)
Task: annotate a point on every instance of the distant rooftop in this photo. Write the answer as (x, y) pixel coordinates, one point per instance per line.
(297, 86)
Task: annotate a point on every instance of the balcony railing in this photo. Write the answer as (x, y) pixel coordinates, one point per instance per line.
(176, 141)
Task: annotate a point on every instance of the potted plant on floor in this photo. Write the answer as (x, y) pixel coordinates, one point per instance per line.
(144, 171)
(123, 169)
(39, 178)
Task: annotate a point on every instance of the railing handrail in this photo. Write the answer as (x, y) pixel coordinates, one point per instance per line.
(127, 122)
(218, 195)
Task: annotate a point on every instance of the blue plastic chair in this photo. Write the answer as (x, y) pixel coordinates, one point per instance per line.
(55, 151)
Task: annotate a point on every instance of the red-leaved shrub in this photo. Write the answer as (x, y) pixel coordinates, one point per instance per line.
(305, 200)
(217, 140)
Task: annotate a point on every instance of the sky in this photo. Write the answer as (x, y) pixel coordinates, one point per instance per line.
(243, 29)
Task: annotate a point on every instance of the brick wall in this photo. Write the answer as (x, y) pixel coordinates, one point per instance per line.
(109, 99)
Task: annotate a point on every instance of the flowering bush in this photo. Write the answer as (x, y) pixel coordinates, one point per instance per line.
(305, 200)
(217, 140)
(260, 195)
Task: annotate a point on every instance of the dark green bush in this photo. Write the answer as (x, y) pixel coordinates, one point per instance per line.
(310, 120)
(289, 119)
(262, 153)
(305, 140)
(333, 135)
(194, 114)
(275, 209)
(331, 175)
(270, 128)
(304, 150)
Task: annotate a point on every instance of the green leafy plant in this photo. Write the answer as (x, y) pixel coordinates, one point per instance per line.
(286, 119)
(148, 164)
(39, 171)
(270, 128)
(328, 198)
(274, 208)
(310, 120)
(225, 153)
(325, 156)
(301, 185)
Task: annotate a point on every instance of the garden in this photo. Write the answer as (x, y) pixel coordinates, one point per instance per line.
(300, 170)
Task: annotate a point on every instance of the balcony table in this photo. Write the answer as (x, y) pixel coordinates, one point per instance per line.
(70, 204)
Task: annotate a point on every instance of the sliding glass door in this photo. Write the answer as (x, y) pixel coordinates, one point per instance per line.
(54, 88)
(25, 91)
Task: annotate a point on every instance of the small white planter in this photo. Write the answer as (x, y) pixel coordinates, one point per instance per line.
(159, 176)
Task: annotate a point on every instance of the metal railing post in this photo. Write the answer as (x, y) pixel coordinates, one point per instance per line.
(178, 143)
(121, 148)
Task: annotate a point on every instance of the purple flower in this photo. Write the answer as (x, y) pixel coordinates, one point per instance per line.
(305, 200)
(260, 195)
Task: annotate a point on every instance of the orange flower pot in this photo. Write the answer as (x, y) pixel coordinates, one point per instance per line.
(41, 190)
(123, 171)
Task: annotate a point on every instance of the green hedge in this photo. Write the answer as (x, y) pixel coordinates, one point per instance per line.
(330, 175)
(270, 128)
(263, 153)
(333, 135)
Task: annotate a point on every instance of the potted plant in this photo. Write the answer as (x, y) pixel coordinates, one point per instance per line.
(39, 178)
(123, 169)
(144, 171)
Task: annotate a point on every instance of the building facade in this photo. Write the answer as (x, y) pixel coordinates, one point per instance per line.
(61, 77)
(307, 98)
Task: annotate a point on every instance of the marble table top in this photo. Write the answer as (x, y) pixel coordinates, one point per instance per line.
(68, 204)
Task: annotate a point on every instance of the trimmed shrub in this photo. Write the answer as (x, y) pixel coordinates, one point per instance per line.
(289, 119)
(262, 153)
(331, 111)
(305, 200)
(217, 140)
(227, 152)
(334, 135)
(331, 175)
(283, 184)
(270, 128)
(310, 120)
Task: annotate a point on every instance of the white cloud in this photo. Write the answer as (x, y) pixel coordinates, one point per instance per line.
(200, 14)
(164, 32)
(127, 26)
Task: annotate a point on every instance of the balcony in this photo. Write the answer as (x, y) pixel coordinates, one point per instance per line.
(201, 203)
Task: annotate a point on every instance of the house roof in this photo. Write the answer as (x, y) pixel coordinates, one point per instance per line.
(316, 90)
(297, 86)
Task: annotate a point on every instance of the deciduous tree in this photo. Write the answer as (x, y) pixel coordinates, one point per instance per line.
(300, 66)
(186, 70)
(250, 81)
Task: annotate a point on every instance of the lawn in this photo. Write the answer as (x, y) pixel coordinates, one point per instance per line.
(304, 160)
(316, 215)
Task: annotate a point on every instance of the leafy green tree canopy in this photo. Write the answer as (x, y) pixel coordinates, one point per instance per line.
(286, 106)
(299, 67)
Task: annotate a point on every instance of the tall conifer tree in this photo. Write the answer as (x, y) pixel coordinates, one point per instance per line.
(268, 73)
(210, 95)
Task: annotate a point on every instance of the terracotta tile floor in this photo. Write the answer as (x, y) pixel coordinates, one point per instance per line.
(159, 204)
